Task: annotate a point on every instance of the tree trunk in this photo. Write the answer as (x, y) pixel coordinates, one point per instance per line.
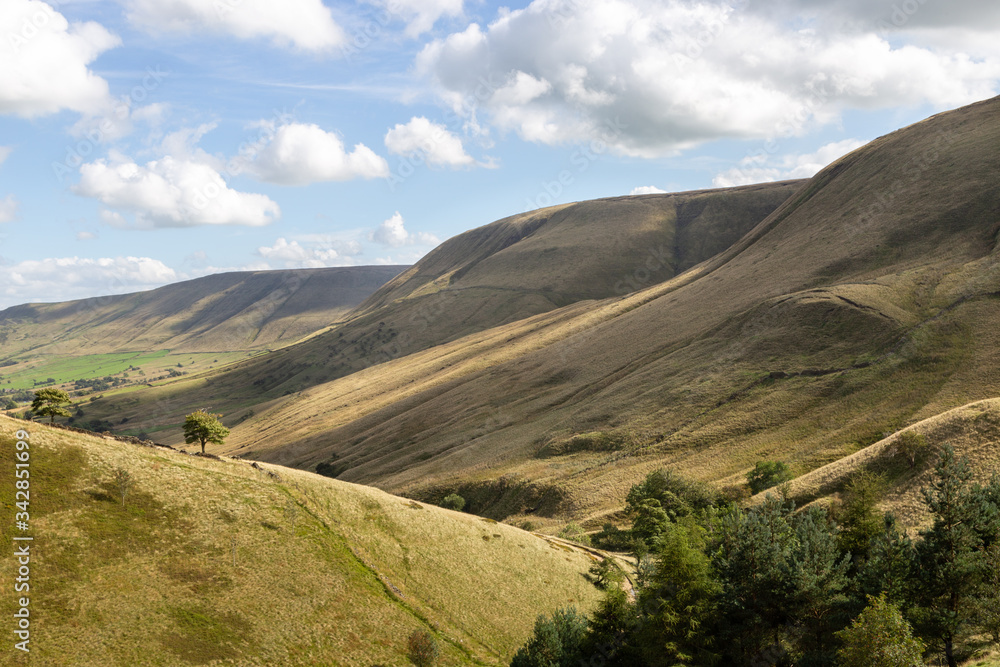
(949, 652)
(202, 445)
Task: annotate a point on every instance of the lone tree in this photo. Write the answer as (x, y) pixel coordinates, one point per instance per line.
(49, 402)
(203, 426)
(123, 482)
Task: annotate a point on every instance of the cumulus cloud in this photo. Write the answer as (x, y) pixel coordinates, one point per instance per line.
(306, 25)
(295, 255)
(649, 78)
(421, 15)
(44, 61)
(647, 190)
(438, 146)
(67, 278)
(760, 169)
(393, 233)
(300, 154)
(170, 192)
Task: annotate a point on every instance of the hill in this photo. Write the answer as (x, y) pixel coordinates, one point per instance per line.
(215, 560)
(497, 274)
(861, 305)
(864, 303)
(192, 323)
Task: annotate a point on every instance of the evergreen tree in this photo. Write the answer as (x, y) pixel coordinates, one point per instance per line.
(557, 642)
(951, 556)
(611, 639)
(750, 563)
(817, 574)
(859, 519)
(889, 568)
(679, 601)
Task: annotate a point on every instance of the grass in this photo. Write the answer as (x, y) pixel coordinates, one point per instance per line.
(325, 572)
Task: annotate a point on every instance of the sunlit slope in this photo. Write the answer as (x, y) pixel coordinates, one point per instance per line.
(218, 313)
(867, 301)
(215, 560)
(495, 275)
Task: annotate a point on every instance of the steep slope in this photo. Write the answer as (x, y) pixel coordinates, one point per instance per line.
(865, 302)
(522, 266)
(501, 273)
(216, 561)
(222, 312)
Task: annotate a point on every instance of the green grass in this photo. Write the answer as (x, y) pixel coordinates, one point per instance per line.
(324, 573)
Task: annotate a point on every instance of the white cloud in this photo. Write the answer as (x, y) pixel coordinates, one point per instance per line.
(421, 15)
(44, 61)
(305, 25)
(647, 190)
(66, 278)
(5, 153)
(650, 78)
(300, 154)
(393, 234)
(438, 146)
(86, 236)
(294, 255)
(8, 209)
(759, 170)
(170, 192)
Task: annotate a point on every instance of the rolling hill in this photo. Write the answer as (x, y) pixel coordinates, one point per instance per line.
(863, 303)
(199, 323)
(216, 561)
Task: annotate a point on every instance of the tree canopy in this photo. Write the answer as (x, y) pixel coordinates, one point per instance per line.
(48, 403)
(203, 426)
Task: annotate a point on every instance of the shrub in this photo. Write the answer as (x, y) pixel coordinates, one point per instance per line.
(422, 648)
(880, 637)
(557, 641)
(911, 446)
(768, 474)
(453, 502)
(606, 574)
(574, 533)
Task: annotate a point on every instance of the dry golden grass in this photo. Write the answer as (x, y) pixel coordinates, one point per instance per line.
(326, 572)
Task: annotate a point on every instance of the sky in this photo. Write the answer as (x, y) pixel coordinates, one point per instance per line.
(146, 142)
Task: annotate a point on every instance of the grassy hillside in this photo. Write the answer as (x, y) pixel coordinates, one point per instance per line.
(218, 561)
(866, 302)
(497, 274)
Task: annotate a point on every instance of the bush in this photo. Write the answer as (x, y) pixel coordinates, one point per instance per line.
(453, 502)
(422, 648)
(606, 574)
(557, 641)
(768, 474)
(880, 637)
(574, 533)
(911, 446)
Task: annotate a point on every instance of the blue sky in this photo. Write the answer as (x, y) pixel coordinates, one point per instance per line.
(144, 142)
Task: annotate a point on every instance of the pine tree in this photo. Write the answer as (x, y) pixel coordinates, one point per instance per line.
(890, 565)
(612, 636)
(859, 519)
(817, 573)
(751, 562)
(557, 642)
(680, 601)
(951, 554)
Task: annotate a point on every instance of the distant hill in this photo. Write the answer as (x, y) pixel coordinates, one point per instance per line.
(222, 312)
(214, 560)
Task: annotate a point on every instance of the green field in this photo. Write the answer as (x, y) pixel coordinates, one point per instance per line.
(151, 365)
